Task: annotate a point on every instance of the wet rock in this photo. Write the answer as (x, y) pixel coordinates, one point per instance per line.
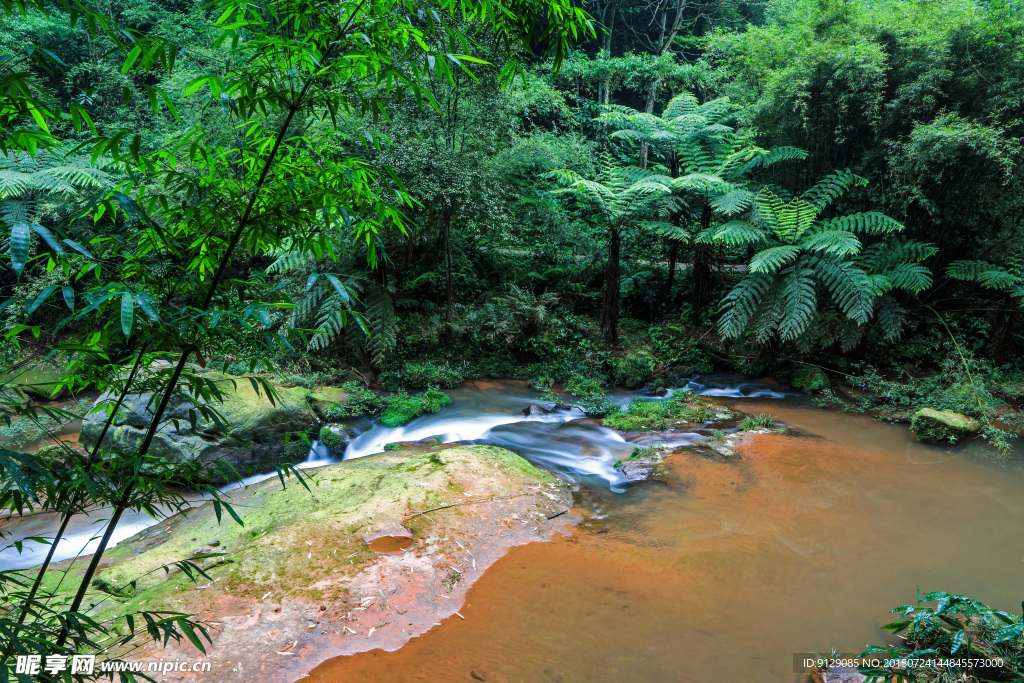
(251, 438)
(14, 396)
(534, 409)
(837, 675)
(336, 436)
(942, 426)
(40, 378)
(660, 392)
(641, 464)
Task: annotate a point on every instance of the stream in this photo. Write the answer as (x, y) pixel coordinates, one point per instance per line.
(480, 412)
(723, 570)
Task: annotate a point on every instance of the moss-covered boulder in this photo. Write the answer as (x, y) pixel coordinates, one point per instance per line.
(682, 411)
(336, 436)
(809, 379)
(254, 438)
(942, 426)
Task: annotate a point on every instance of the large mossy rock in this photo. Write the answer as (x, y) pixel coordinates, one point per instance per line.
(253, 440)
(809, 379)
(375, 552)
(942, 426)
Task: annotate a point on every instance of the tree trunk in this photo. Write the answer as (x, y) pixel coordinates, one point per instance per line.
(449, 285)
(673, 245)
(700, 273)
(610, 300)
(1004, 341)
(673, 255)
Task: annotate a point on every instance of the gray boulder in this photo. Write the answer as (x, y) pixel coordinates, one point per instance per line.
(251, 439)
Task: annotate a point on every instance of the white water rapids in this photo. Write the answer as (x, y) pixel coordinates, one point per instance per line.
(491, 413)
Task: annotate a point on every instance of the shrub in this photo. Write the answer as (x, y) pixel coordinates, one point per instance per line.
(656, 416)
(633, 370)
(584, 387)
(956, 626)
(809, 379)
(358, 401)
(597, 406)
(401, 407)
(422, 375)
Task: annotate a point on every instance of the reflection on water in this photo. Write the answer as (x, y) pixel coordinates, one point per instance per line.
(722, 574)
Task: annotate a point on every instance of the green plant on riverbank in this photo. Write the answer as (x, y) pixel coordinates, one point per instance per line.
(964, 385)
(758, 421)
(401, 407)
(654, 416)
(427, 373)
(358, 401)
(957, 628)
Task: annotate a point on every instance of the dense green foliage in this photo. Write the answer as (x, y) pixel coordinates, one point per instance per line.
(417, 194)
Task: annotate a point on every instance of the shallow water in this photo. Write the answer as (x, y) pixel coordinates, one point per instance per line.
(722, 573)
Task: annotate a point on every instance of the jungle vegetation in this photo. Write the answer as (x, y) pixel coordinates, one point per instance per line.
(580, 192)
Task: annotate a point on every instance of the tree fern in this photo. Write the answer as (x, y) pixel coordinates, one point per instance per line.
(805, 261)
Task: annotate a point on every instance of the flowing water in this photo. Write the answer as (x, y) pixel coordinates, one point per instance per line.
(723, 570)
(484, 412)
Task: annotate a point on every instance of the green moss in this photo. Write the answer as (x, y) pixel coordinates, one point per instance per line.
(942, 426)
(333, 440)
(656, 416)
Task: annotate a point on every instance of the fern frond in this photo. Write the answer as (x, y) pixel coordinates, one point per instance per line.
(773, 156)
(832, 242)
(382, 323)
(733, 202)
(680, 105)
(851, 288)
(773, 258)
(799, 301)
(910, 276)
(740, 303)
(734, 234)
(831, 187)
(986, 274)
(869, 222)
